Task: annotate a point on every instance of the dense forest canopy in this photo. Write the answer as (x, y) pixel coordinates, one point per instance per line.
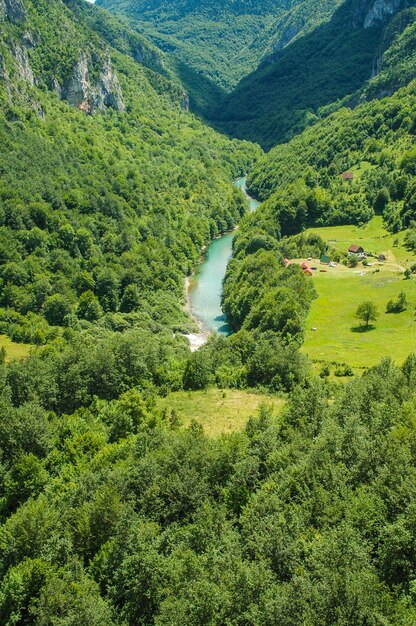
(221, 41)
(326, 68)
(112, 512)
(104, 215)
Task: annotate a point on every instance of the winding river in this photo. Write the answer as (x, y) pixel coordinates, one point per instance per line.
(205, 287)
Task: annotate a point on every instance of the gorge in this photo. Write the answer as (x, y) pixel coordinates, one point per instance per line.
(206, 285)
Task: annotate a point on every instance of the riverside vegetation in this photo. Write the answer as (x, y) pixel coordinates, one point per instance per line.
(112, 511)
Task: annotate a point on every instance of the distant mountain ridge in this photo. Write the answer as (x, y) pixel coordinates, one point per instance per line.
(326, 67)
(264, 71)
(223, 41)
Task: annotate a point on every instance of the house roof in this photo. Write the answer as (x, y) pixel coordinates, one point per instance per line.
(355, 248)
(325, 259)
(347, 175)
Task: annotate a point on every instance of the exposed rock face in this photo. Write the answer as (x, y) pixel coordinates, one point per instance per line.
(373, 12)
(76, 90)
(107, 91)
(185, 102)
(147, 56)
(87, 96)
(3, 72)
(13, 10)
(22, 64)
(381, 10)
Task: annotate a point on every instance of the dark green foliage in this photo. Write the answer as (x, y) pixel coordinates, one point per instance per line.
(367, 312)
(215, 44)
(397, 306)
(302, 181)
(110, 514)
(198, 371)
(317, 72)
(260, 293)
(308, 517)
(410, 237)
(103, 214)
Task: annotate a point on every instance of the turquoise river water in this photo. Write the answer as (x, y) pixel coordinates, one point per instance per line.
(206, 286)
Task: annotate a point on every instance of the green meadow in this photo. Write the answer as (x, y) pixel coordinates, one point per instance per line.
(373, 237)
(218, 411)
(333, 333)
(14, 350)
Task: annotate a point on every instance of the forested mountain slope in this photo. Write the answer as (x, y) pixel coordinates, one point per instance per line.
(112, 513)
(376, 139)
(306, 518)
(222, 41)
(330, 64)
(396, 59)
(106, 212)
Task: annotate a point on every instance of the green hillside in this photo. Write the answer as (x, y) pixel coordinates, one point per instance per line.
(302, 186)
(85, 198)
(375, 141)
(267, 478)
(222, 41)
(319, 70)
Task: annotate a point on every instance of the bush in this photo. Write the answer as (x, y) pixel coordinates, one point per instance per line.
(343, 370)
(397, 306)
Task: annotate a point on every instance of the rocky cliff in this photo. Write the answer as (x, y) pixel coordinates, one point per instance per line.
(371, 13)
(90, 85)
(13, 10)
(88, 94)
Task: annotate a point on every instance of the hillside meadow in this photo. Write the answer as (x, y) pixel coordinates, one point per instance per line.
(338, 335)
(14, 350)
(218, 411)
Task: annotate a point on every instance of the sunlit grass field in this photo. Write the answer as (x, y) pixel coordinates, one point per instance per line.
(14, 350)
(373, 237)
(340, 290)
(218, 411)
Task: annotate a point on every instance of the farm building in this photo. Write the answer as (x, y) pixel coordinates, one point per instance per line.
(355, 250)
(325, 260)
(347, 175)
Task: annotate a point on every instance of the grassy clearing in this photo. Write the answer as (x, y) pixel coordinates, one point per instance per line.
(373, 237)
(14, 350)
(340, 290)
(219, 411)
(361, 168)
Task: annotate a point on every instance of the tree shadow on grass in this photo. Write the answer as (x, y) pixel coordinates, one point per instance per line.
(362, 328)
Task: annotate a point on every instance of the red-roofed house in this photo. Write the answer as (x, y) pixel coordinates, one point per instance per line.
(355, 250)
(347, 176)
